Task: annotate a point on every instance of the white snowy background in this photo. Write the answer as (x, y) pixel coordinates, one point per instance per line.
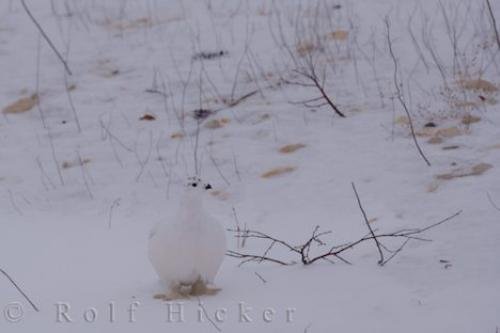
(83, 179)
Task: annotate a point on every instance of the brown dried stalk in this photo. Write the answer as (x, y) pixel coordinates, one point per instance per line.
(335, 251)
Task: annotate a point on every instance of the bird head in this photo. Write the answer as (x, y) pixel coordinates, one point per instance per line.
(195, 183)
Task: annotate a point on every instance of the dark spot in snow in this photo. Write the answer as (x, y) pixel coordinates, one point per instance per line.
(201, 114)
(148, 117)
(209, 55)
(430, 124)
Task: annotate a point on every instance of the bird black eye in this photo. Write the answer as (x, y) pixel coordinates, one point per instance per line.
(208, 187)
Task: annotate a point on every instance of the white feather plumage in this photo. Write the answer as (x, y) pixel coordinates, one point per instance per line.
(190, 248)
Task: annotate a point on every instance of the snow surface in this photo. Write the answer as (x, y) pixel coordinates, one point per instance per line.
(81, 239)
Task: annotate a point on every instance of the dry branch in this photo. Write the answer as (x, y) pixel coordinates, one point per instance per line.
(493, 22)
(66, 67)
(308, 72)
(381, 261)
(302, 251)
(307, 64)
(399, 94)
(19, 289)
(232, 102)
(311, 75)
(200, 304)
(493, 204)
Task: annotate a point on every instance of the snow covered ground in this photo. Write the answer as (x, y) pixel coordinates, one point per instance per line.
(83, 179)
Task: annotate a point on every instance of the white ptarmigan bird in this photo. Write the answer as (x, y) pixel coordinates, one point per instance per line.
(187, 251)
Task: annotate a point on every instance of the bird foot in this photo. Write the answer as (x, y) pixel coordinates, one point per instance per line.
(212, 291)
(200, 288)
(172, 295)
